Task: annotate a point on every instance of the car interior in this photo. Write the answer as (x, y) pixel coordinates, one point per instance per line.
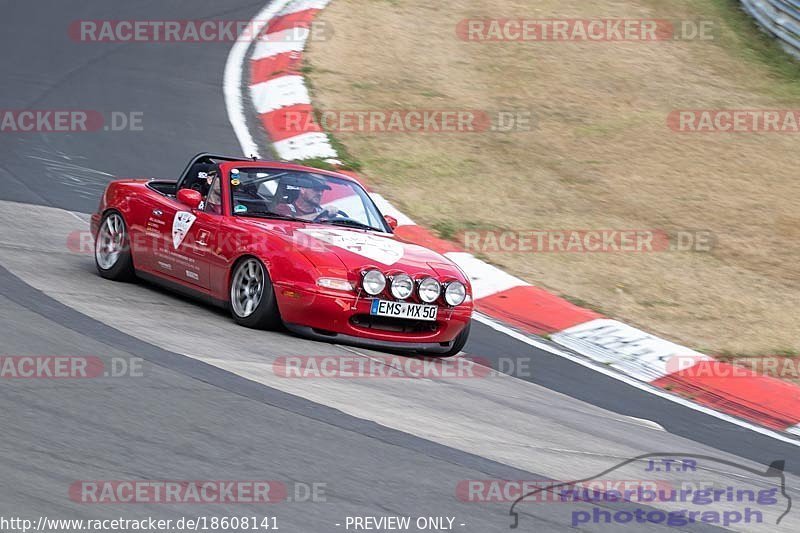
(190, 178)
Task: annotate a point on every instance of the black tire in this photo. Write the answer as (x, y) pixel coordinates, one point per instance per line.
(263, 314)
(113, 232)
(458, 343)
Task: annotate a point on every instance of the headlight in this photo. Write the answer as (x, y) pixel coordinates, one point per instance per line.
(429, 290)
(402, 286)
(455, 293)
(335, 283)
(373, 282)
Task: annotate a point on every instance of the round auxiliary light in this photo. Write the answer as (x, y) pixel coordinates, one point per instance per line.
(402, 286)
(429, 290)
(373, 282)
(455, 293)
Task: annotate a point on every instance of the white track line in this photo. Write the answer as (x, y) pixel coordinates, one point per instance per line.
(631, 381)
(233, 101)
(280, 42)
(232, 82)
(279, 92)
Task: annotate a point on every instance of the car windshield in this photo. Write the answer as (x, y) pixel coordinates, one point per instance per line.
(300, 195)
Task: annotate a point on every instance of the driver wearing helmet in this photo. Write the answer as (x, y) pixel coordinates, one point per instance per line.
(307, 204)
(204, 174)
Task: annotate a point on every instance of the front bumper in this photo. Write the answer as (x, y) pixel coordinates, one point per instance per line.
(339, 318)
(341, 338)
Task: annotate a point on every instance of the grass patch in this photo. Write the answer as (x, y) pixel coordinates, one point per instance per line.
(317, 162)
(600, 157)
(452, 229)
(753, 44)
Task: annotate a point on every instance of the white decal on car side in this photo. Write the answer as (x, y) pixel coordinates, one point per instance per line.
(181, 225)
(381, 249)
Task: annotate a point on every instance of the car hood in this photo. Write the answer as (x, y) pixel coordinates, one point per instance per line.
(355, 249)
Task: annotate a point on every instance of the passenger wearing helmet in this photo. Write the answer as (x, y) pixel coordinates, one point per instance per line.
(307, 204)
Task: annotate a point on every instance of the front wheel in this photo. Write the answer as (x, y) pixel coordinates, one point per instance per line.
(112, 250)
(252, 296)
(458, 343)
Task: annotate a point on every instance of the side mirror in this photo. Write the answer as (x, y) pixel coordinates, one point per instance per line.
(391, 221)
(190, 197)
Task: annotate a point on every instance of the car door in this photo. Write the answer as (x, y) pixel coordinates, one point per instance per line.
(147, 235)
(202, 244)
(188, 240)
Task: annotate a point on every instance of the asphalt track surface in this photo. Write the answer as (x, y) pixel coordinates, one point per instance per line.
(209, 405)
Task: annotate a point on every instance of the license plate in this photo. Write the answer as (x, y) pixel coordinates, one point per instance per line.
(403, 310)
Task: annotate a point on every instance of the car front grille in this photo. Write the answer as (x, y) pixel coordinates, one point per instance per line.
(398, 325)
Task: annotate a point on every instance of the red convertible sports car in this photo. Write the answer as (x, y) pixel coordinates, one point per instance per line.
(281, 243)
